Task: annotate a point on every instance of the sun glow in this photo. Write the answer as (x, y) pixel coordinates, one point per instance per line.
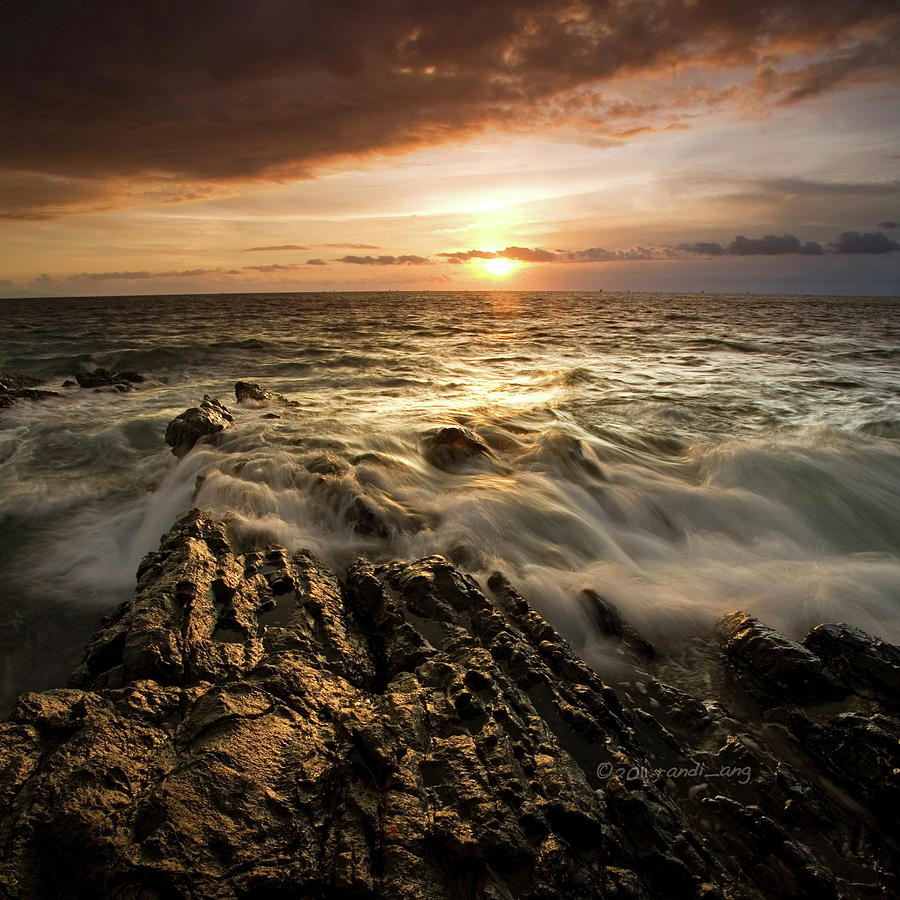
(499, 266)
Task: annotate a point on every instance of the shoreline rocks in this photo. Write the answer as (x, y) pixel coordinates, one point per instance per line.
(252, 724)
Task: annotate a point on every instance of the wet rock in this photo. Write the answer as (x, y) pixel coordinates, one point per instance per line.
(866, 664)
(453, 447)
(103, 378)
(860, 752)
(769, 665)
(68, 383)
(17, 380)
(252, 725)
(209, 418)
(609, 622)
(9, 397)
(248, 390)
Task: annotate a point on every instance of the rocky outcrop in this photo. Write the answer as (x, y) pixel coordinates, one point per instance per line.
(251, 725)
(103, 378)
(209, 418)
(250, 391)
(453, 447)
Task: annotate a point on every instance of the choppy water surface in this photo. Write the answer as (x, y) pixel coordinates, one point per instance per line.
(682, 455)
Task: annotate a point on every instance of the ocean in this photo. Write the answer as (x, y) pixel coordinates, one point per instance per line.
(682, 455)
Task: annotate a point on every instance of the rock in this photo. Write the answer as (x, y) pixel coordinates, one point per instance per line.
(860, 752)
(248, 390)
(252, 725)
(101, 378)
(210, 417)
(866, 664)
(9, 397)
(12, 381)
(608, 621)
(769, 665)
(451, 448)
(68, 383)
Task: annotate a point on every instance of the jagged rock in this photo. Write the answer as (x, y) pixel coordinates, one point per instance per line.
(451, 448)
(248, 390)
(210, 417)
(868, 665)
(769, 665)
(250, 725)
(101, 378)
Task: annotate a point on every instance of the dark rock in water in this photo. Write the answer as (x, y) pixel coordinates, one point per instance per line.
(8, 397)
(68, 383)
(866, 664)
(248, 390)
(608, 621)
(769, 665)
(210, 417)
(131, 377)
(452, 447)
(101, 378)
(12, 381)
(249, 725)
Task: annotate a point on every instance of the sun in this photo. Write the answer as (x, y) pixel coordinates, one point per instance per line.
(500, 266)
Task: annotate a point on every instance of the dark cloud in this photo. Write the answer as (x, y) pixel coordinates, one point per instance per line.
(316, 262)
(277, 247)
(869, 242)
(888, 225)
(702, 248)
(213, 91)
(772, 245)
(407, 260)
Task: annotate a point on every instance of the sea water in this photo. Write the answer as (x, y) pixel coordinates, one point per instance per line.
(682, 455)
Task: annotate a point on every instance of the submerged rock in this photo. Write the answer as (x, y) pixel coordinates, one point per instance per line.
(210, 417)
(249, 390)
(250, 725)
(103, 378)
(452, 447)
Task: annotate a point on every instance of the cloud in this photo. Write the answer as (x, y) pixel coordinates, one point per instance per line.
(772, 245)
(278, 247)
(768, 245)
(888, 225)
(870, 242)
(316, 262)
(407, 260)
(99, 96)
(351, 246)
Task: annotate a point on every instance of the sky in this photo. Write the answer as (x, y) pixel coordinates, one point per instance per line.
(197, 146)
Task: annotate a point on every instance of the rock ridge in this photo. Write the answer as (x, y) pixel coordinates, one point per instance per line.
(250, 724)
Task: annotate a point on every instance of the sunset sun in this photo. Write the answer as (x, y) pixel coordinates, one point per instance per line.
(499, 266)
